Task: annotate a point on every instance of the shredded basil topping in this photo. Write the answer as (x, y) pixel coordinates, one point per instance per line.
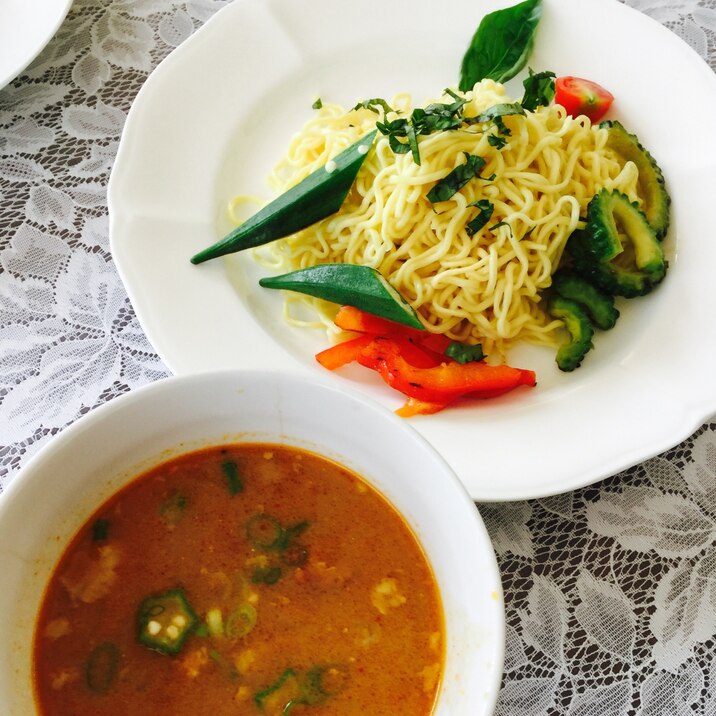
(373, 104)
(498, 111)
(539, 89)
(457, 178)
(317, 104)
(486, 208)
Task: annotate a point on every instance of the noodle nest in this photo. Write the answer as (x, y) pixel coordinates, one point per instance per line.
(483, 287)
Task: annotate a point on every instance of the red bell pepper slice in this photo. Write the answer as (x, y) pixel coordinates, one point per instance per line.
(413, 407)
(443, 383)
(580, 96)
(350, 318)
(342, 353)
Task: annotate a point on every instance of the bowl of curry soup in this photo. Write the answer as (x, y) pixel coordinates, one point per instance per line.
(245, 543)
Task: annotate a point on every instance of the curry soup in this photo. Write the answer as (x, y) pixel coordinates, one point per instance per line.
(243, 579)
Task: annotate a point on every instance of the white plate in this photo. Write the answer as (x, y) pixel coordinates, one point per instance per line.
(26, 26)
(218, 113)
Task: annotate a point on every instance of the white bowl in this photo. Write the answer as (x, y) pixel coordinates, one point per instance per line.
(58, 490)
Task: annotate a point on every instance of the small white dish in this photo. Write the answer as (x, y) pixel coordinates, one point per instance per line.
(62, 486)
(218, 113)
(25, 29)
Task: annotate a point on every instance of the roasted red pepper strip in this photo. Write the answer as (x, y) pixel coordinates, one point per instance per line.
(440, 384)
(419, 407)
(353, 319)
(343, 353)
(350, 318)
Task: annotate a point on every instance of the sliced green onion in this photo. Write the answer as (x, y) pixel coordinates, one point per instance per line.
(215, 622)
(241, 621)
(264, 531)
(101, 667)
(233, 479)
(349, 284)
(319, 195)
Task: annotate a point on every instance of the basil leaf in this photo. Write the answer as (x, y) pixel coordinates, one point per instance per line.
(317, 104)
(463, 353)
(499, 110)
(501, 44)
(457, 178)
(486, 208)
(539, 90)
(373, 104)
(496, 141)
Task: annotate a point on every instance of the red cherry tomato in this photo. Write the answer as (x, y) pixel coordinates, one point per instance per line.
(579, 96)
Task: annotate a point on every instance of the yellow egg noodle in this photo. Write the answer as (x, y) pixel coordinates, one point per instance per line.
(481, 288)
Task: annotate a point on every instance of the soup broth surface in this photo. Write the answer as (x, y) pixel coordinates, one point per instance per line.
(243, 579)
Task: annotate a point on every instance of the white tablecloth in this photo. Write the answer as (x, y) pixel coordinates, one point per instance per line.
(610, 591)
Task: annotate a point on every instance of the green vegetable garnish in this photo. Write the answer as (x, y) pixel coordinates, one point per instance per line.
(651, 179)
(233, 479)
(319, 195)
(457, 178)
(373, 104)
(619, 250)
(349, 284)
(101, 667)
(463, 353)
(539, 90)
(164, 621)
(501, 44)
(579, 327)
(266, 575)
(317, 104)
(100, 530)
(241, 621)
(486, 208)
(499, 110)
(436, 117)
(599, 305)
(264, 531)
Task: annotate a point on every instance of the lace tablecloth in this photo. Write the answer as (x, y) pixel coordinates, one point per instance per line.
(610, 591)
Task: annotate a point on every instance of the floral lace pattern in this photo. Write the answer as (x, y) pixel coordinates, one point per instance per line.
(610, 591)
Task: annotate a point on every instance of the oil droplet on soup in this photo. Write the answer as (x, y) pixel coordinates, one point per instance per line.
(243, 579)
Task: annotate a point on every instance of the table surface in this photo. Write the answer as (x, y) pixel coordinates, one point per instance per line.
(610, 591)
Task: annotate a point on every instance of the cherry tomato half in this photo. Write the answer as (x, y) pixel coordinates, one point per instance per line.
(580, 96)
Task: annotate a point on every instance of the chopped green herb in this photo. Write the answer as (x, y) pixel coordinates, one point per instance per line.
(504, 109)
(463, 353)
(101, 667)
(286, 681)
(373, 104)
(241, 621)
(539, 90)
(436, 117)
(317, 104)
(266, 575)
(499, 224)
(496, 141)
(264, 531)
(322, 682)
(486, 208)
(171, 510)
(501, 44)
(457, 178)
(502, 128)
(100, 530)
(224, 665)
(233, 479)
